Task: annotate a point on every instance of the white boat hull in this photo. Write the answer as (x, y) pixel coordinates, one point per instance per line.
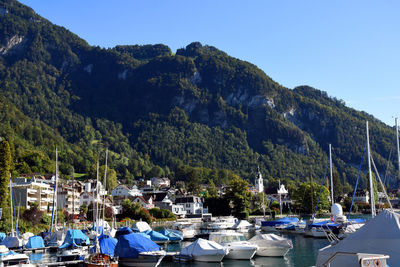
(141, 261)
(238, 253)
(210, 258)
(272, 251)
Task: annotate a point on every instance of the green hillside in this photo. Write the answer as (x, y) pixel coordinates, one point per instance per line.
(160, 112)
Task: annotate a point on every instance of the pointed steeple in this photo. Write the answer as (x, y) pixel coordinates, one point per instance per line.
(259, 183)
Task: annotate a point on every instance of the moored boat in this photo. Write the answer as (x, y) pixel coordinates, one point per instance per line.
(137, 250)
(205, 250)
(271, 245)
(239, 247)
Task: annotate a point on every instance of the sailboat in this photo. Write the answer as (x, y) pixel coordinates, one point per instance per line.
(13, 240)
(56, 236)
(102, 253)
(380, 235)
(75, 246)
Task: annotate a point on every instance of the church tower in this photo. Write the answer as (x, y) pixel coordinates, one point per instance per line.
(259, 183)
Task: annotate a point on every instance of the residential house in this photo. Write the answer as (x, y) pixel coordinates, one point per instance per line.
(192, 204)
(146, 202)
(160, 182)
(123, 191)
(34, 190)
(361, 196)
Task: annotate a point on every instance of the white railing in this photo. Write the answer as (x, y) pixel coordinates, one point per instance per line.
(364, 259)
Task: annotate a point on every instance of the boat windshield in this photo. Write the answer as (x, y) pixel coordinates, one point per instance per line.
(228, 239)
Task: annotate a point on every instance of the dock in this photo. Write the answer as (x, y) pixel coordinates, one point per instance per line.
(61, 263)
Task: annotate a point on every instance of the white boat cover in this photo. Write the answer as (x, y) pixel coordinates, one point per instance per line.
(141, 226)
(242, 224)
(26, 236)
(270, 240)
(380, 235)
(202, 247)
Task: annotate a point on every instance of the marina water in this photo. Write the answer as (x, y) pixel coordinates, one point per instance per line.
(303, 254)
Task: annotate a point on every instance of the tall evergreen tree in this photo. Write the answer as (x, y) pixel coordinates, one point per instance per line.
(5, 169)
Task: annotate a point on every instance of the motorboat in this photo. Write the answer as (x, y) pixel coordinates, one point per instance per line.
(239, 247)
(222, 223)
(187, 229)
(242, 226)
(8, 257)
(205, 250)
(300, 227)
(141, 226)
(283, 223)
(271, 245)
(136, 250)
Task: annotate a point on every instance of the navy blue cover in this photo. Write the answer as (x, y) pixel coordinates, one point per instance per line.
(130, 245)
(123, 231)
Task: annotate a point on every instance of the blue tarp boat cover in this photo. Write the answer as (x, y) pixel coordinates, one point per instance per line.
(107, 245)
(35, 242)
(156, 236)
(129, 246)
(45, 235)
(79, 239)
(325, 224)
(145, 235)
(123, 231)
(2, 236)
(285, 220)
(173, 235)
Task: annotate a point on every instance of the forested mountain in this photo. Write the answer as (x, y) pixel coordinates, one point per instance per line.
(196, 114)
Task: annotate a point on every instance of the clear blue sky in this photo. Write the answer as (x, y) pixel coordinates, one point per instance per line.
(351, 49)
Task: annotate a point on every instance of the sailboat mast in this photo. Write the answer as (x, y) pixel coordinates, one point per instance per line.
(331, 175)
(11, 208)
(397, 141)
(73, 199)
(54, 210)
(97, 198)
(105, 188)
(371, 186)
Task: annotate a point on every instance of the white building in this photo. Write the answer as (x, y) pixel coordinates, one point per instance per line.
(259, 182)
(26, 191)
(90, 187)
(192, 204)
(160, 182)
(123, 191)
(178, 210)
(68, 198)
